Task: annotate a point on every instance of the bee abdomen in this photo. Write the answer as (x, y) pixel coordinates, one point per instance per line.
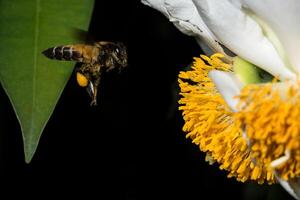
(62, 53)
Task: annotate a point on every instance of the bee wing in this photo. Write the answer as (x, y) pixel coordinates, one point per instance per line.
(83, 36)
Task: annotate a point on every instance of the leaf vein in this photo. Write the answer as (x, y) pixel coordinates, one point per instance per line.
(35, 57)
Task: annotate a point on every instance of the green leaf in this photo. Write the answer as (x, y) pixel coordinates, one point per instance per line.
(32, 81)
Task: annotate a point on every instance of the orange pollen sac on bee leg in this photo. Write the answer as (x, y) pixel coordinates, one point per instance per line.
(81, 80)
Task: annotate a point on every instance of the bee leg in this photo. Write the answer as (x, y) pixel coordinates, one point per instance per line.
(94, 98)
(109, 69)
(92, 89)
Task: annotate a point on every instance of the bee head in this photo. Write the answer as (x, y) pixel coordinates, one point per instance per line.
(114, 54)
(120, 54)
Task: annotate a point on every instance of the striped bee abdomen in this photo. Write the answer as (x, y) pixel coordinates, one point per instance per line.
(63, 53)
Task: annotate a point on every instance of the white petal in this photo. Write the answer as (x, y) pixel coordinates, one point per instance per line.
(295, 185)
(186, 18)
(181, 9)
(283, 17)
(279, 161)
(205, 48)
(228, 85)
(292, 187)
(157, 5)
(242, 35)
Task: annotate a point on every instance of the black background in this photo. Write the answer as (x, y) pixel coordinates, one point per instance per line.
(131, 145)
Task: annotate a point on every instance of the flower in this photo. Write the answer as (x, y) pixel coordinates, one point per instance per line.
(241, 105)
(210, 122)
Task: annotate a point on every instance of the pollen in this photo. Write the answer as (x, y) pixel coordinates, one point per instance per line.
(270, 114)
(210, 123)
(81, 80)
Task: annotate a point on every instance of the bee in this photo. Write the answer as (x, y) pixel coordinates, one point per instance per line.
(94, 59)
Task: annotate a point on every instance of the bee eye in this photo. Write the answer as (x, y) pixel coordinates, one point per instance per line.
(81, 79)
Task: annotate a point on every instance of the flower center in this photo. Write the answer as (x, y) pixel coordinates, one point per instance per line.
(212, 126)
(270, 114)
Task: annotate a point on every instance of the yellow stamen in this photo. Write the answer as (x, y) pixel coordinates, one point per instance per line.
(211, 125)
(270, 115)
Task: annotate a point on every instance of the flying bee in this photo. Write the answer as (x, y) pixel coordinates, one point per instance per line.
(95, 59)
